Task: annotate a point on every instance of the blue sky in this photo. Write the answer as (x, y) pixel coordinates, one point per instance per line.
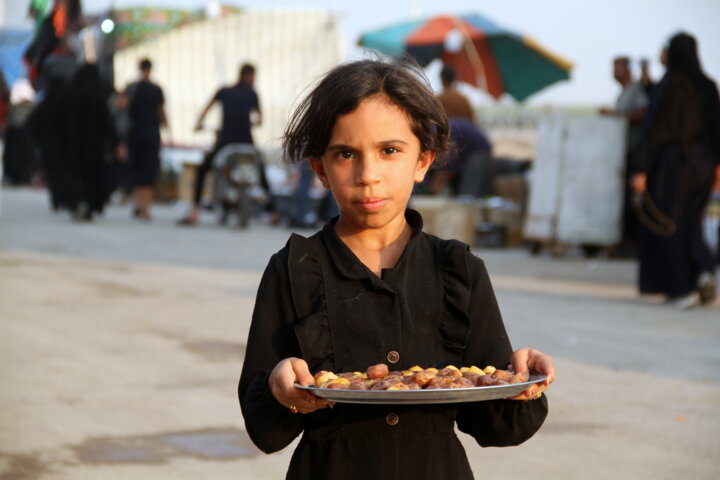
(589, 34)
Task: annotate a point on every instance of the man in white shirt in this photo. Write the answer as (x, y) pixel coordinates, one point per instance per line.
(632, 101)
(631, 104)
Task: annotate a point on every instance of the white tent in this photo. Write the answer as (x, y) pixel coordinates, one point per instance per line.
(289, 48)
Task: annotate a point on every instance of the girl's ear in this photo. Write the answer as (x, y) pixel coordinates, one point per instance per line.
(426, 159)
(317, 167)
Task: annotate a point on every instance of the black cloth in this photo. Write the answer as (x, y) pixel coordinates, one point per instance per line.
(202, 170)
(144, 154)
(679, 152)
(20, 161)
(237, 103)
(471, 161)
(436, 307)
(145, 100)
(76, 136)
(45, 41)
(468, 137)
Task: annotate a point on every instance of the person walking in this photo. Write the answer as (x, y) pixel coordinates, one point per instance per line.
(146, 110)
(677, 165)
(239, 102)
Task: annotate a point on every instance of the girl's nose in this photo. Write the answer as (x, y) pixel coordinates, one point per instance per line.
(368, 170)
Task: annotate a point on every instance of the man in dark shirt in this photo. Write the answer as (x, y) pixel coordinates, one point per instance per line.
(468, 170)
(238, 103)
(146, 113)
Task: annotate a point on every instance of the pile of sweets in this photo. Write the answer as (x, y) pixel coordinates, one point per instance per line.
(378, 377)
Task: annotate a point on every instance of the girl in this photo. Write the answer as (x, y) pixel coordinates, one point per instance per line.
(371, 288)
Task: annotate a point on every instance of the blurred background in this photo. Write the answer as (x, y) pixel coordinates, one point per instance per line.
(198, 46)
(123, 325)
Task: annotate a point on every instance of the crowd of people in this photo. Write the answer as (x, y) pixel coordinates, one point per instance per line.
(93, 140)
(66, 132)
(85, 140)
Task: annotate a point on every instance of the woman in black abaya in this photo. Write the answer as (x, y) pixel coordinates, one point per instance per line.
(75, 133)
(91, 139)
(680, 149)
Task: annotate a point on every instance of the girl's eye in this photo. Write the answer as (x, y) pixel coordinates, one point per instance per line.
(346, 155)
(389, 150)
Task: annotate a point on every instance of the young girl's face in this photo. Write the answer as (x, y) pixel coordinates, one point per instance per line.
(371, 163)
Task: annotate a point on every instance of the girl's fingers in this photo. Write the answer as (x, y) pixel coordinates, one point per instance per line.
(282, 382)
(519, 360)
(305, 404)
(543, 364)
(528, 359)
(302, 372)
(303, 377)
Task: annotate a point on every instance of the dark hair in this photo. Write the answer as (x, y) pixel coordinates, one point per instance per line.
(345, 86)
(690, 104)
(145, 64)
(622, 59)
(246, 69)
(447, 75)
(682, 55)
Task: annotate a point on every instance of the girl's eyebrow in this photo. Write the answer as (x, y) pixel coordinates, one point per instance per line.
(341, 146)
(393, 142)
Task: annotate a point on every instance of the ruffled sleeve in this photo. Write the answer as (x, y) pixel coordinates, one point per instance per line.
(499, 422)
(455, 328)
(289, 320)
(307, 285)
(270, 425)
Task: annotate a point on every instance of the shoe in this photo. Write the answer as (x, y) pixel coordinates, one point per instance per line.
(186, 222)
(706, 288)
(686, 302)
(82, 215)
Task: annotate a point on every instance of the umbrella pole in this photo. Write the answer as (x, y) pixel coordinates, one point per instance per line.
(472, 53)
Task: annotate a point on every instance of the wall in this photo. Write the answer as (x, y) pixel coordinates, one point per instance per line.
(290, 49)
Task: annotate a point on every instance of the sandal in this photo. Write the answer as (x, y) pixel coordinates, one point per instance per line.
(706, 288)
(186, 222)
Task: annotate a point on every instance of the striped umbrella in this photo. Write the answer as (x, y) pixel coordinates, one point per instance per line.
(481, 52)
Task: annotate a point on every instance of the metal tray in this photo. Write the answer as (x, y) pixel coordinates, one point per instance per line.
(406, 397)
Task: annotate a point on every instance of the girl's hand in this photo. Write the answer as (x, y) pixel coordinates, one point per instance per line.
(638, 182)
(281, 382)
(528, 360)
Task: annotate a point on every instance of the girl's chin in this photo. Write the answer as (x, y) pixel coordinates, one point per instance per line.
(365, 220)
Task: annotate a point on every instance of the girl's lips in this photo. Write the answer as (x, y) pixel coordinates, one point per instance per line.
(371, 203)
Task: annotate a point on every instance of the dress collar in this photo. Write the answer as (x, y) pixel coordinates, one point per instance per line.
(345, 260)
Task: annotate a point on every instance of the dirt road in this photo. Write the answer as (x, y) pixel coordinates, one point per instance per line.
(122, 343)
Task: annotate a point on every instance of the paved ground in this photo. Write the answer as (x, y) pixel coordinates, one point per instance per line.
(122, 342)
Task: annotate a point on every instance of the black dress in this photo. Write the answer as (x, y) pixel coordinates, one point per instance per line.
(436, 307)
(75, 133)
(679, 151)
